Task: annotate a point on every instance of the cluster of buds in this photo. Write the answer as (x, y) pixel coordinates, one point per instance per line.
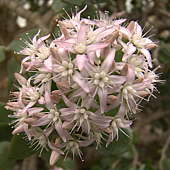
(73, 84)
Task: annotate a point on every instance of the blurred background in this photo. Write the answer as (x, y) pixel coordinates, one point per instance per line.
(148, 148)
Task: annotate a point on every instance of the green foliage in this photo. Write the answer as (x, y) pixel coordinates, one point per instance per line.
(2, 53)
(165, 51)
(118, 154)
(68, 163)
(12, 151)
(58, 5)
(5, 130)
(12, 67)
(166, 163)
(4, 114)
(77, 2)
(5, 162)
(19, 148)
(69, 7)
(20, 43)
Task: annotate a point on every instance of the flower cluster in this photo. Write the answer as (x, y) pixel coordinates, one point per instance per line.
(75, 83)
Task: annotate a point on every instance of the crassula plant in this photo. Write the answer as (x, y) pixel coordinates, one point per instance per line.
(81, 87)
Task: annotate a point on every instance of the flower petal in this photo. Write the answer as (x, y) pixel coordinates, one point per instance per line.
(81, 61)
(137, 29)
(61, 131)
(125, 32)
(41, 121)
(108, 62)
(122, 123)
(102, 93)
(129, 50)
(128, 71)
(21, 80)
(147, 54)
(33, 111)
(81, 35)
(54, 157)
(77, 17)
(66, 45)
(96, 46)
(118, 79)
(49, 64)
(40, 41)
(82, 83)
(34, 40)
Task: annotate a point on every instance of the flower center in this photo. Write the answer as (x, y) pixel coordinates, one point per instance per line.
(43, 53)
(128, 91)
(67, 68)
(81, 113)
(46, 77)
(33, 95)
(80, 48)
(136, 61)
(54, 115)
(101, 79)
(138, 41)
(91, 37)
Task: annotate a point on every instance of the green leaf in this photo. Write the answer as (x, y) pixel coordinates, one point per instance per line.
(4, 114)
(20, 43)
(120, 147)
(58, 5)
(76, 2)
(164, 53)
(19, 148)
(66, 164)
(69, 163)
(5, 132)
(5, 163)
(166, 164)
(13, 66)
(112, 112)
(149, 165)
(119, 55)
(16, 45)
(115, 152)
(2, 53)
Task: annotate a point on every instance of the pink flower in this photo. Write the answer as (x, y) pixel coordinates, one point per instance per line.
(115, 126)
(36, 52)
(52, 117)
(85, 43)
(99, 80)
(95, 67)
(106, 20)
(133, 33)
(78, 116)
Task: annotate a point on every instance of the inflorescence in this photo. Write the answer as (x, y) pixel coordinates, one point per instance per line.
(73, 85)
